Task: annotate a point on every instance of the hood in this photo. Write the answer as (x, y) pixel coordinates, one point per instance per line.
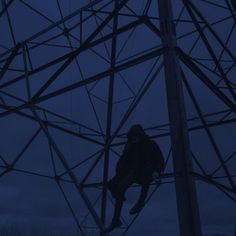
(136, 130)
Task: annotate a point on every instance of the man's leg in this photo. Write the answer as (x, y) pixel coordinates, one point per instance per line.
(116, 222)
(120, 197)
(143, 193)
(112, 185)
(141, 201)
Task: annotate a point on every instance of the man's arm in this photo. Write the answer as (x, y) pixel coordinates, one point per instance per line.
(120, 166)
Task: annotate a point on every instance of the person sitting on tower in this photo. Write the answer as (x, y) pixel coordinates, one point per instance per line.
(141, 158)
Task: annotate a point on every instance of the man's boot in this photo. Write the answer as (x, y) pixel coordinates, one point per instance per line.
(141, 202)
(136, 208)
(115, 223)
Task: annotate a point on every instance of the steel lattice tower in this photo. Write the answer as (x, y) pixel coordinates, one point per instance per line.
(79, 82)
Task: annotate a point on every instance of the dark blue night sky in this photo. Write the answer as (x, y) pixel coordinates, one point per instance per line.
(31, 202)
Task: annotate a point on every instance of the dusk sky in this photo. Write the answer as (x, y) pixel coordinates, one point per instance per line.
(31, 200)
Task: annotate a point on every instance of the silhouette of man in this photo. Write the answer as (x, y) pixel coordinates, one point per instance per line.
(141, 157)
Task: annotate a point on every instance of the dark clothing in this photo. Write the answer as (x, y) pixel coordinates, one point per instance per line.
(136, 165)
(140, 159)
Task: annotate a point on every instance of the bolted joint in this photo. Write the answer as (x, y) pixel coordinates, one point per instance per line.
(144, 18)
(57, 178)
(9, 167)
(167, 29)
(209, 176)
(66, 32)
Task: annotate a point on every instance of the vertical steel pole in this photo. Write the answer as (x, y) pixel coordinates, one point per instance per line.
(235, 229)
(188, 212)
(109, 118)
(233, 2)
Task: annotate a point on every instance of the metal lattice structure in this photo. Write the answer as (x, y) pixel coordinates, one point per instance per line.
(85, 77)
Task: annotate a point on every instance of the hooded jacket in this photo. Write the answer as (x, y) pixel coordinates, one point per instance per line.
(140, 159)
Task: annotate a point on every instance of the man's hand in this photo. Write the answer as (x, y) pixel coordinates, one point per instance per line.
(156, 176)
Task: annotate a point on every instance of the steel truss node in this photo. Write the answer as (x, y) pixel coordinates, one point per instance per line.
(72, 80)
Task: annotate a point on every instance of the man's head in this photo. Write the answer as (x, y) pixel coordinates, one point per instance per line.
(136, 133)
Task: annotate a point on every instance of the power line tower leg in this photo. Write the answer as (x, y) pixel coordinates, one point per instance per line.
(188, 212)
(233, 2)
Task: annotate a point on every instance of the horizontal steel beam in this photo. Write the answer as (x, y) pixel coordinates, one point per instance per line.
(193, 128)
(23, 114)
(187, 60)
(89, 80)
(66, 56)
(210, 180)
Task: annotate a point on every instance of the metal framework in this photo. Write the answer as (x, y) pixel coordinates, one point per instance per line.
(84, 77)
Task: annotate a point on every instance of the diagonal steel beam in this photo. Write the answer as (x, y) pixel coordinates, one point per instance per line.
(96, 42)
(78, 51)
(105, 73)
(109, 118)
(201, 75)
(70, 208)
(9, 60)
(190, 129)
(7, 108)
(152, 27)
(233, 2)
(89, 80)
(210, 50)
(54, 114)
(131, 108)
(212, 181)
(70, 172)
(208, 131)
(56, 24)
(208, 25)
(7, 5)
(186, 196)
